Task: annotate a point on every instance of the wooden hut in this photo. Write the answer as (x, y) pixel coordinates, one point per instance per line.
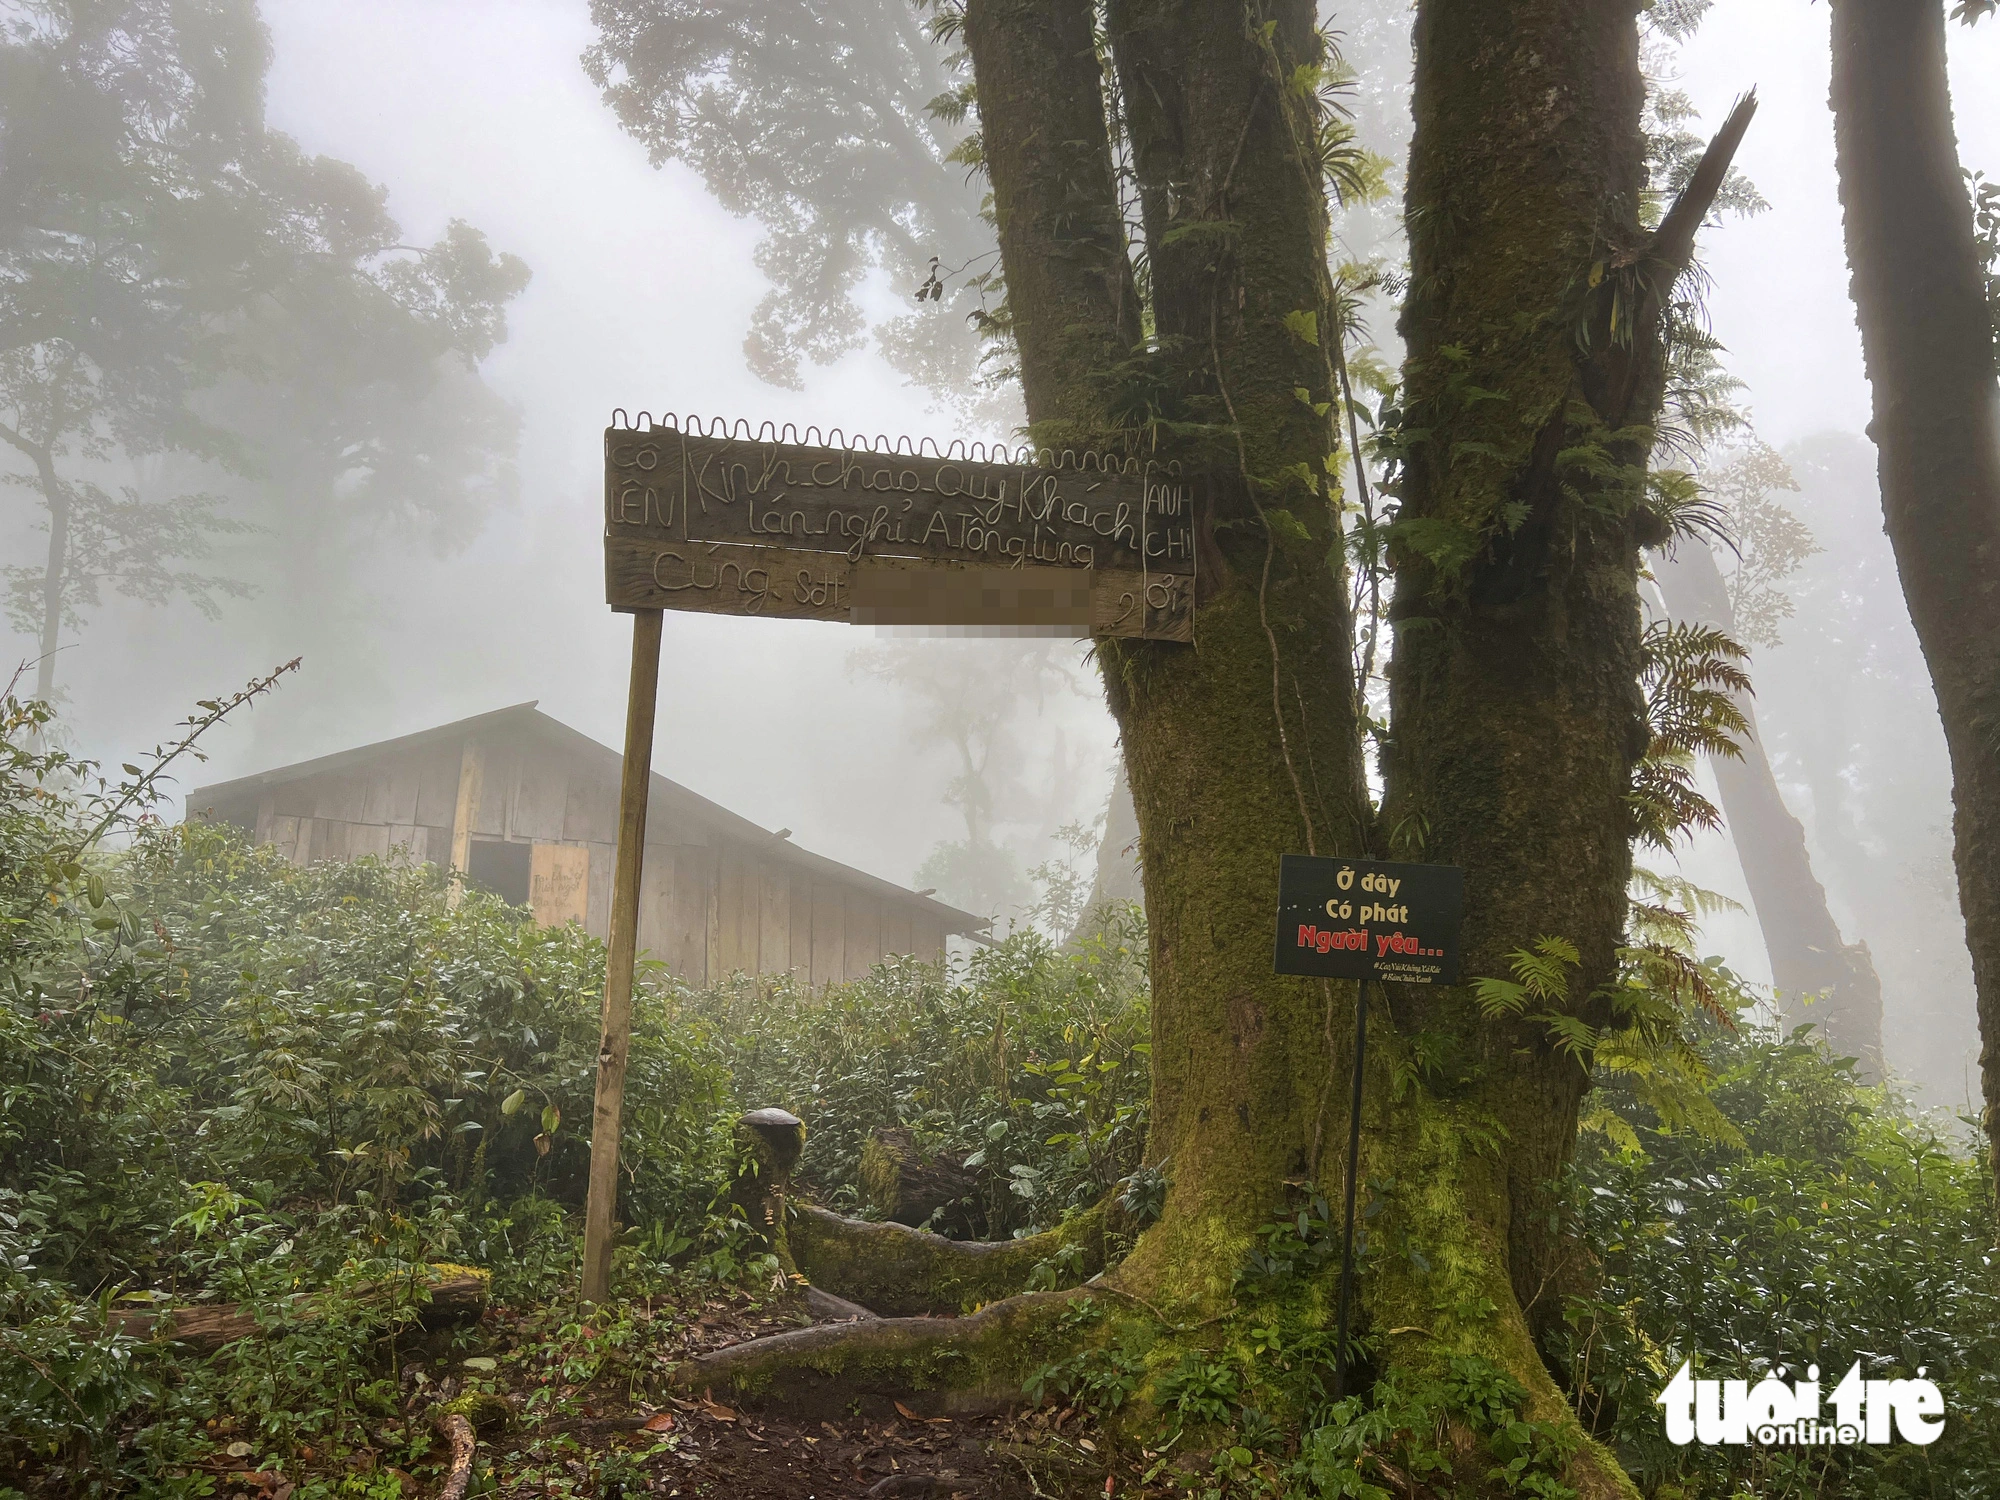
(525, 806)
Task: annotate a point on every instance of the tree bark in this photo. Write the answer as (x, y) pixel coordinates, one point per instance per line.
(56, 498)
(1244, 745)
(1927, 338)
(1807, 955)
(1070, 290)
(1514, 679)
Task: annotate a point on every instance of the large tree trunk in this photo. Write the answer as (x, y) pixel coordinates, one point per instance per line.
(1518, 731)
(1243, 745)
(1514, 681)
(1518, 708)
(1807, 955)
(1927, 335)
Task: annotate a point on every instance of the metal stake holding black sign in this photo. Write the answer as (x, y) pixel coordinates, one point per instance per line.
(1366, 920)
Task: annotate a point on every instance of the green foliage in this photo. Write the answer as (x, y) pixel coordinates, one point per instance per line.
(1395, 1439)
(1986, 227)
(228, 1078)
(1835, 1227)
(1031, 1067)
(1096, 1379)
(1290, 1246)
(1693, 679)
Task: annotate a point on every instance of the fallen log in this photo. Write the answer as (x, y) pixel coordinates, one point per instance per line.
(459, 1433)
(457, 1295)
(906, 1185)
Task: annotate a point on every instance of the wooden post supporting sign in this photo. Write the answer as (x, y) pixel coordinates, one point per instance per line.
(641, 703)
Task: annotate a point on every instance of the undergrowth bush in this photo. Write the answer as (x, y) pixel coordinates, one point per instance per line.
(1030, 1063)
(227, 1078)
(1845, 1229)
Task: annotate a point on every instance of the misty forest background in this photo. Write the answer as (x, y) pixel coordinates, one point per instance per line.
(372, 278)
(381, 493)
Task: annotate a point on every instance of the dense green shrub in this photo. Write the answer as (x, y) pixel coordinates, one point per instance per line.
(1030, 1063)
(1847, 1229)
(225, 1077)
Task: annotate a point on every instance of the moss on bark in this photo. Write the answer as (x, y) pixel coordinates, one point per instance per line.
(901, 1272)
(945, 1365)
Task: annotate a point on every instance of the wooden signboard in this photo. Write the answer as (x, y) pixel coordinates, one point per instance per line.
(721, 524)
(723, 521)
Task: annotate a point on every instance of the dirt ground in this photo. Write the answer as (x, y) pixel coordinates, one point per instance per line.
(567, 1421)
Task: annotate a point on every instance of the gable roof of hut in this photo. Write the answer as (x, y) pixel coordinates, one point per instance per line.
(668, 802)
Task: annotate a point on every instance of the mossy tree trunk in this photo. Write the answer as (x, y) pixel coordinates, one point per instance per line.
(1927, 337)
(1519, 715)
(1518, 710)
(1514, 681)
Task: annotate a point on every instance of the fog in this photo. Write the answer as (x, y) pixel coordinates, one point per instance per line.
(642, 290)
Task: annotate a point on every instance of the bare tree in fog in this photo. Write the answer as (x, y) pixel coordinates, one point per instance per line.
(189, 303)
(969, 699)
(1927, 334)
(1809, 959)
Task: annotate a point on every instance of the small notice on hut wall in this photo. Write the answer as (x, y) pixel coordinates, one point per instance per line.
(1365, 919)
(559, 884)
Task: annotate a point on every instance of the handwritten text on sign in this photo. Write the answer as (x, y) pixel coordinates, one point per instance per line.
(1364, 919)
(1077, 545)
(1093, 512)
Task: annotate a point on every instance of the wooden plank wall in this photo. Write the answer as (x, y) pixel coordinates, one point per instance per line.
(707, 909)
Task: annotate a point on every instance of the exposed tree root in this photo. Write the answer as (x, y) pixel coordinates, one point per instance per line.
(827, 1308)
(900, 1272)
(457, 1295)
(951, 1366)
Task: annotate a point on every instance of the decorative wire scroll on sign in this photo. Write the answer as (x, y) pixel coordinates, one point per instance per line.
(718, 518)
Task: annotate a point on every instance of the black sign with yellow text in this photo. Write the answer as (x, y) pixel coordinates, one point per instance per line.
(1364, 919)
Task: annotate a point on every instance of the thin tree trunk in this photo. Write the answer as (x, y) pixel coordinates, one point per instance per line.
(56, 498)
(1807, 955)
(1116, 877)
(1927, 336)
(52, 577)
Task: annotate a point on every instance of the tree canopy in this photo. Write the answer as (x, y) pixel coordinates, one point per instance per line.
(191, 305)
